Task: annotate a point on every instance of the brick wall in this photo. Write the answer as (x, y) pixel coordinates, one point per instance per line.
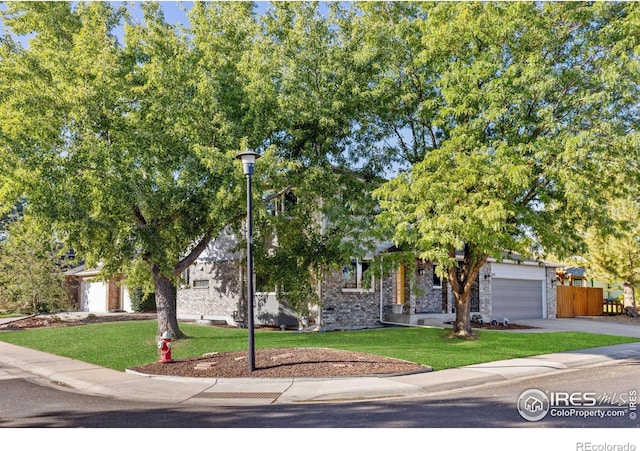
(484, 290)
(352, 309)
(349, 309)
(113, 294)
(218, 300)
(224, 297)
(426, 297)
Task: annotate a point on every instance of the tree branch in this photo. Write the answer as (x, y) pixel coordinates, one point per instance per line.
(195, 252)
(139, 217)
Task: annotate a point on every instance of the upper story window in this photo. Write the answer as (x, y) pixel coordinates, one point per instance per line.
(282, 203)
(185, 277)
(356, 276)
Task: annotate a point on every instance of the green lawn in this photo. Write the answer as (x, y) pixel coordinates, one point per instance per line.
(126, 344)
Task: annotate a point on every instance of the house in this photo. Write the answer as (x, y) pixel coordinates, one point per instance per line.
(533, 404)
(91, 294)
(214, 288)
(577, 276)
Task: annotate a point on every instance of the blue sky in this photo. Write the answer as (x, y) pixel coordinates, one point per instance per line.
(175, 12)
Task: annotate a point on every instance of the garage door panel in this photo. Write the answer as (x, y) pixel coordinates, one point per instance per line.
(94, 296)
(516, 299)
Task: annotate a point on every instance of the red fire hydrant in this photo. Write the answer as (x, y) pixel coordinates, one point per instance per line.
(165, 348)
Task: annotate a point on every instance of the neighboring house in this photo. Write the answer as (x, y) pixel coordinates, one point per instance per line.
(91, 294)
(576, 276)
(215, 289)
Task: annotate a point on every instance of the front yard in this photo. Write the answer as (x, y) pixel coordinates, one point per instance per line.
(126, 344)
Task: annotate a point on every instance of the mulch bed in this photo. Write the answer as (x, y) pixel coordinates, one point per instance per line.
(283, 362)
(34, 322)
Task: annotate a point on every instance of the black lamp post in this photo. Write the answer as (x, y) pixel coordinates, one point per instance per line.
(248, 158)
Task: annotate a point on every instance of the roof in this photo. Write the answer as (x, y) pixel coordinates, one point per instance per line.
(82, 271)
(576, 271)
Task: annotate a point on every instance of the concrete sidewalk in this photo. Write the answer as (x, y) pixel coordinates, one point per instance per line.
(96, 380)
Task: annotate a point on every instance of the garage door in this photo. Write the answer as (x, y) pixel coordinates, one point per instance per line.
(94, 296)
(516, 299)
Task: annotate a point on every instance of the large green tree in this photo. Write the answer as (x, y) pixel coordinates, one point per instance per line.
(507, 112)
(126, 146)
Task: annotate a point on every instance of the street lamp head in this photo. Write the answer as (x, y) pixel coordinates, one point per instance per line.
(248, 158)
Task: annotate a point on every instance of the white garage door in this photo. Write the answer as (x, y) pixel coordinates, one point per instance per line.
(94, 296)
(516, 299)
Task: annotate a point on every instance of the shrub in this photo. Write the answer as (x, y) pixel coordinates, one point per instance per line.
(141, 301)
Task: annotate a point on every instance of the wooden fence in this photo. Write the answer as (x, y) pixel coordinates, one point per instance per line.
(613, 308)
(579, 301)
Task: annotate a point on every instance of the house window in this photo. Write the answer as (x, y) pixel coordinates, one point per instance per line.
(263, 284)
(201, 283)
(577, 283)
(437, 281)
(356, 276)
(281, 204)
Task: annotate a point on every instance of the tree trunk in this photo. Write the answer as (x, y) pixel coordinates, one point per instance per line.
(462, 324)
(628, 295)
(166, 306)
(630, 309)
(461, 280)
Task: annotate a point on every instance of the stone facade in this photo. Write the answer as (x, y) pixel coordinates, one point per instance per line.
(217, 290)
(484, 291)
(211, 290)
(426, 296)
(344, 308)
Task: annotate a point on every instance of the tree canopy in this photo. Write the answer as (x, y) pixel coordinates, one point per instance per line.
(521, 104)
(615, 256)
(126, 148)
(491, 120)
(126, 144)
